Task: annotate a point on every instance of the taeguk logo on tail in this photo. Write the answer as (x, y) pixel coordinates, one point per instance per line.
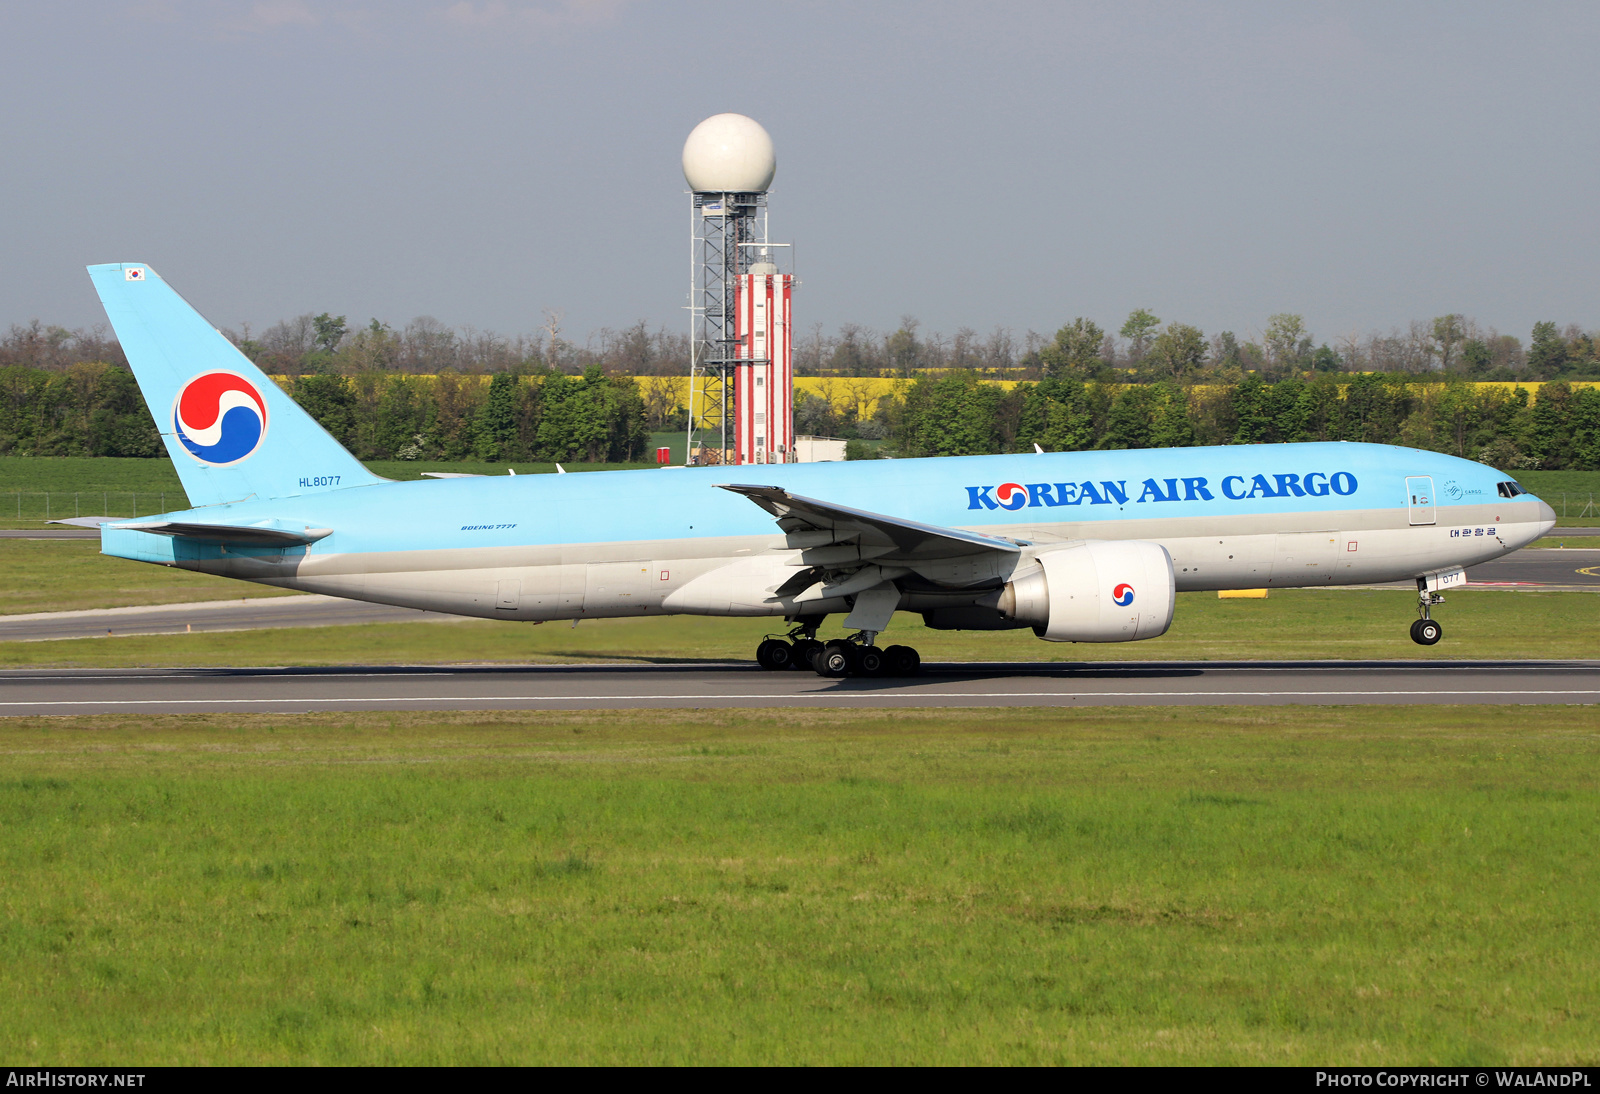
(1122, 595)
(220, 417)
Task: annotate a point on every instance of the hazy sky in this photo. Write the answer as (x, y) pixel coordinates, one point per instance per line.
(972, 164)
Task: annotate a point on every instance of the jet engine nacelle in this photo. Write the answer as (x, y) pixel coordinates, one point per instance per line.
(1096, 591)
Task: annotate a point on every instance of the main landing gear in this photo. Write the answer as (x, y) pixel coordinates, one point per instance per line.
(794, 651)
(857, 655)
(1426, 630)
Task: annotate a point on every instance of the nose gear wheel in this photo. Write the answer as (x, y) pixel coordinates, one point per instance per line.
(1425, 631)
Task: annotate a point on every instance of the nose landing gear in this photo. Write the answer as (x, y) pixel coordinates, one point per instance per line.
(1426, 631)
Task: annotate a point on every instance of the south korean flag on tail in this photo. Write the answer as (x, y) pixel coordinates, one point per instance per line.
(133, 273)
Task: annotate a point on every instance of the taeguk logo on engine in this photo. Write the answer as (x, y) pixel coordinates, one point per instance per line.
(1122, 595)
(220, 417)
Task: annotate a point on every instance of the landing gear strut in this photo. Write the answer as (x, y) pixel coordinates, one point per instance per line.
(1426, 631)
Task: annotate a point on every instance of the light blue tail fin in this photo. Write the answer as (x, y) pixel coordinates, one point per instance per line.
(231, 432)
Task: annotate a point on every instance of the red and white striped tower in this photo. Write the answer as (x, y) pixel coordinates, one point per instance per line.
(764, 376)
(741, 380)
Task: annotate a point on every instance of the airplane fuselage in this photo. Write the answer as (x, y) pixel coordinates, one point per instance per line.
(667, 541)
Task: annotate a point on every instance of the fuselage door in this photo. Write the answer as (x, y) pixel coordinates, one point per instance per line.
(610, 586)
(508, 597)
(1419, 488)
(1304, 558)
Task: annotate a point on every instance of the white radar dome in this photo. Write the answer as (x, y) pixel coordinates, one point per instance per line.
(729, 153)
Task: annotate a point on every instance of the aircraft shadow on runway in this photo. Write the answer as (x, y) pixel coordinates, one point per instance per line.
(1104, 670)
(932, 673)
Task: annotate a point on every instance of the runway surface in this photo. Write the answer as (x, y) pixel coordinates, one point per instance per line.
(1541, 566)
(598, 687)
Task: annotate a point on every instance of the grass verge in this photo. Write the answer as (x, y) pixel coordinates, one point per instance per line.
(1558, 540)
(67, 575)
(1209, 885)
(1293, 624)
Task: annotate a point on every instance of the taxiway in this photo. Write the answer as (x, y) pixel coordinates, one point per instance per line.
(597, 687)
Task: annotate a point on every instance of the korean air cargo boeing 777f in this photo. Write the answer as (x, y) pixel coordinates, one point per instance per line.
(1078, 546)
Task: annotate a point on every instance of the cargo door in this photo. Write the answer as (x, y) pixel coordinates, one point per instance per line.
(1419, 489)
(1304, 558)
(614, 586)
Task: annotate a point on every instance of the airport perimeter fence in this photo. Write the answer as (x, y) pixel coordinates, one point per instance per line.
(63, 504)
(1588, 509)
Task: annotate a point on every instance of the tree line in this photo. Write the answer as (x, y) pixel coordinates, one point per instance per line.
(1144, 349)
(1504, 426)
(1147, 350)
(545, 416)
(318, 344)
(95, 409)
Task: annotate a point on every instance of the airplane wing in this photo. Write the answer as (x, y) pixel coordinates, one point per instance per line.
(822, 528)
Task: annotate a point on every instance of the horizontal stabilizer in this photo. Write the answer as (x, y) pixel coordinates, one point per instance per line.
(885, 538)
(84, 522)
(244, 535)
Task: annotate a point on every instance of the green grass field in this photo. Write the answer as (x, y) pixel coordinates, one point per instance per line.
(1293, 625)
(1575, 495)
(1293, 886)
(1264, 885)
(66, 474)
